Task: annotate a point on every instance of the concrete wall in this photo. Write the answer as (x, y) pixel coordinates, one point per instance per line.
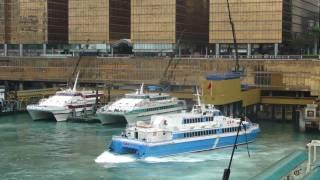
(300, 75)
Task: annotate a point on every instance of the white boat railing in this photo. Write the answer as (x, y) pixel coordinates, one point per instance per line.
(312, 156)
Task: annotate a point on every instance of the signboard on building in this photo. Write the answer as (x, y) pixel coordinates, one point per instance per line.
(311, 111)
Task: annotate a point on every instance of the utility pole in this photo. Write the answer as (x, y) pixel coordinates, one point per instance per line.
(227, 171)
(237, 66)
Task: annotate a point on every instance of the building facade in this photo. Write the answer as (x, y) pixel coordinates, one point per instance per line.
(262, 26)
(2, 22)
(96, 24)
(162, 26)
(34, 21)
(168, 26)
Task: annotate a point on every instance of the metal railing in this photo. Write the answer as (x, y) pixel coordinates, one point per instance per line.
(60, 53)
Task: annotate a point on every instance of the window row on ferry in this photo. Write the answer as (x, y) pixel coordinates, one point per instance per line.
(231, 129)
(200, 133)
(137, 96)
(160, 98)
(155, 109)
(197, 120)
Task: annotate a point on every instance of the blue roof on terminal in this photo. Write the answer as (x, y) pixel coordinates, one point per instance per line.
(225, 76)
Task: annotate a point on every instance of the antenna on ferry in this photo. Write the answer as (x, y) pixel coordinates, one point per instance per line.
(198, 96)
(141, 88)
(75, 83)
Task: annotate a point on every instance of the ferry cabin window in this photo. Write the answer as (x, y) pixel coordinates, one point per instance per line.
(197, 120)
(225, 130)
(199, 133)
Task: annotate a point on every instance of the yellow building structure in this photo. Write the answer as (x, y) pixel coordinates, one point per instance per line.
(226, 92)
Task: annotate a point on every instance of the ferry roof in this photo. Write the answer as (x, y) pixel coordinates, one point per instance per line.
(151, 95)
(156, 119)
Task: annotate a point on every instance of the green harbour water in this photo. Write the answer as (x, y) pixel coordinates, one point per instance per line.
(49, 150)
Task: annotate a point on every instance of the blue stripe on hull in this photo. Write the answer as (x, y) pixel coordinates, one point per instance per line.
(142, 151)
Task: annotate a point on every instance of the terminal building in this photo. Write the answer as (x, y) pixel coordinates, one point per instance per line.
(98, 24)
(264, 27)
(159, 27)
(27, 25)
(169, 26)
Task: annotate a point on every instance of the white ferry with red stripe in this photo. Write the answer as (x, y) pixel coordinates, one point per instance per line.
(64, 104)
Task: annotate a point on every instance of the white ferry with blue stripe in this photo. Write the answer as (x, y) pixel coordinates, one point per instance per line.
(204, 128)
(139, 106)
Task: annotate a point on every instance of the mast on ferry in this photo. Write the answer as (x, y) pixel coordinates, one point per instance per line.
(74, 89)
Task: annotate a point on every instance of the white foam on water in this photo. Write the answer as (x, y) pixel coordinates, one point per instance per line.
(108, 157)
(187, 158)
(172, 159)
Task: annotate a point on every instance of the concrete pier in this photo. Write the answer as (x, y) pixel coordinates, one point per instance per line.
(5, 49)
(44, 49)
(217, 50)
(249, 50)
(20, 50)
(276, 49)
(302, 125)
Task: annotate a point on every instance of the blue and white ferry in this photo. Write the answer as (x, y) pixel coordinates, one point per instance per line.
(203, 128)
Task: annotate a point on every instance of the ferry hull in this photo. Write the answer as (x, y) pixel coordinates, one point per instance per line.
(142, 150)
(40, 115)
(57, 113)
(37, 114)
(111, 118)
(46, 112)
(61, 116)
